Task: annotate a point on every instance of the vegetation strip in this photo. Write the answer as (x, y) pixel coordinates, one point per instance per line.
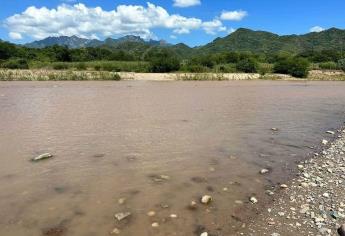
(243, 51)
(47, 75)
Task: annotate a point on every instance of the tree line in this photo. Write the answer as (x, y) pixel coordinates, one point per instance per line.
(166, 59)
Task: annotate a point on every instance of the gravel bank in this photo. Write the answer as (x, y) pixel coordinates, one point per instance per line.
(311, 204)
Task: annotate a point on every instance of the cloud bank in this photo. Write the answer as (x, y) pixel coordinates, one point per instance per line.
(94, 22)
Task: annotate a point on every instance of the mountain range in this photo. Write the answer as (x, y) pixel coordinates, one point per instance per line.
(77, 42)
(240, 40)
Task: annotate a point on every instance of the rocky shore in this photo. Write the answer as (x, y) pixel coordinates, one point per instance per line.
(311, 204)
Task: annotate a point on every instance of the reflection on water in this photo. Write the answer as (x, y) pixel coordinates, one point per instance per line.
(152, 146)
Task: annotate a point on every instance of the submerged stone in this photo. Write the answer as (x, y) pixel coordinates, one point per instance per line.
(42, 157)
(122, 215)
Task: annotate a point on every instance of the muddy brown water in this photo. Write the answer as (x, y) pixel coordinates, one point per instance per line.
(113, 140)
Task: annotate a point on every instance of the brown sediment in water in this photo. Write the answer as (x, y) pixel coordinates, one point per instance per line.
(157, 145)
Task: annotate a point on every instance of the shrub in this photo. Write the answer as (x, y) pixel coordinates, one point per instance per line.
(341, 64)
(264, 68)
(247, 65)
(15, 64)
(282, 66)
(329, 65)
(81, 66)
(297, 67)
(162, 65)
(195, 68)
(97, 67)
(225, 68)
(109, 67)
(60, 66)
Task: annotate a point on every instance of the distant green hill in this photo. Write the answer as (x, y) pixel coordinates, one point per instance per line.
(262, 42)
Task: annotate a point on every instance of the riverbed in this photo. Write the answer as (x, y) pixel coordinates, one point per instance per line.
(153, 146)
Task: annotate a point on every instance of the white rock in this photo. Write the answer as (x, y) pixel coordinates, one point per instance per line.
(204, 234)
(115, 231)
(122, 215)
(151, 213)
(42, 157)
(253, 200)
(324, 142)
(283, 186)
(206, 199)
(264, 171)
(300, 167)
(330, 132)
(155, 225)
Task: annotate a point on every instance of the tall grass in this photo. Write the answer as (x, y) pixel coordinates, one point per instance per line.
(49, 75)
(201, 77)
(111, 66)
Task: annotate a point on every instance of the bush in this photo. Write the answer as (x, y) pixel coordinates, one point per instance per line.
(225, 68)
(341, 64)
(60, 66)
(15, 64)
(108, 66)
(297, 67)
(264, 68)
(247, 65)
(81, 66)
(194, 68)
(97, 67)
(162, 65)
(329, 65)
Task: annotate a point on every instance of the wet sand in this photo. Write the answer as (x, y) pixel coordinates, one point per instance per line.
(155, 146)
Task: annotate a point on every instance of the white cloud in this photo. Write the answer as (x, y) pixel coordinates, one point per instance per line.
(15, 36)
(233, 15)
(186, 3)
(213, 27)
(317, 29)
(95, 22)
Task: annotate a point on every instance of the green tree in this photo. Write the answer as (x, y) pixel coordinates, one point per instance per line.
(295, 66)
(341, 64)
(247, 65)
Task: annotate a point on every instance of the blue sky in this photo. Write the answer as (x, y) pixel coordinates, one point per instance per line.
(194, 22)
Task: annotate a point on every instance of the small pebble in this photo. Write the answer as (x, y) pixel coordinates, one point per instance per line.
(253, 200)
(283, 186)
(151, 213)
(155, 225)
(115, 231)
(264, 171)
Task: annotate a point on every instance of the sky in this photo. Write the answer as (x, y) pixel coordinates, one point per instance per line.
(194, 22)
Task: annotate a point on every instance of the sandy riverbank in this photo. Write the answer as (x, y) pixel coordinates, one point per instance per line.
(44, 75)
(311, 204)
